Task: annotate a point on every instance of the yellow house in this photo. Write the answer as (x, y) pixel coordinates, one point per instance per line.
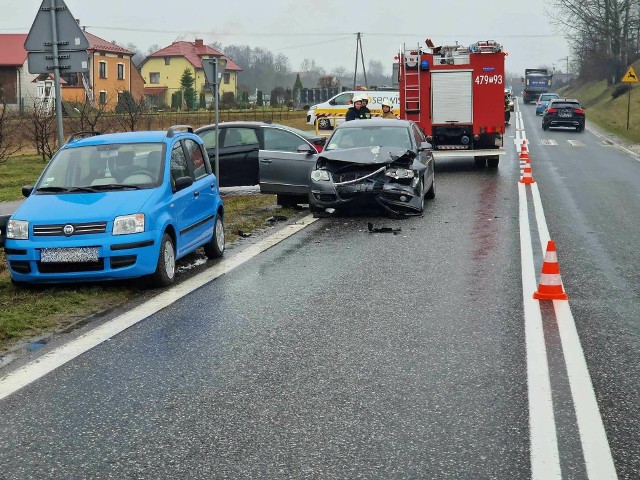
(163, 69)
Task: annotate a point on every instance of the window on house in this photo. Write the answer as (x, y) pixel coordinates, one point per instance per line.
(120, 71)
(103, 98)
(154, 77)
(227, 78)
(167, 60)
(103, 70)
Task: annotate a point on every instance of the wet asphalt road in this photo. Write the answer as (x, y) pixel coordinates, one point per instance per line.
(344, 354)
(591, 196)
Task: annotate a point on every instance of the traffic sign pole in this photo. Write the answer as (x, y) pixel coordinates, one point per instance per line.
(215, 100)
(629, 77)
(213, 70)
(56, 73)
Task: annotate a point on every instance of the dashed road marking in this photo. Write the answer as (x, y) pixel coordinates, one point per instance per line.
(549, 142)
(576, 143)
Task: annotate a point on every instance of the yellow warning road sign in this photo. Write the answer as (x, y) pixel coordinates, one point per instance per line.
(630, 76)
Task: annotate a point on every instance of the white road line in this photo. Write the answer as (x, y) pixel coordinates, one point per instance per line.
(597, 454)
(545, 461)
(576, 143)
(549, 142)
(595, 446)
(633, 154)
(22, 377)
(543, 230)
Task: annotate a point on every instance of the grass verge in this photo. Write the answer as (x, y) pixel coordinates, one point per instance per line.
(16, 172)
(26, 313)
(607, 112)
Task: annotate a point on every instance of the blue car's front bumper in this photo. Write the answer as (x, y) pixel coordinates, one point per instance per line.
(119, 257)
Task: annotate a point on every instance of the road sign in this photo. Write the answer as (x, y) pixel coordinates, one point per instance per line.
(70, 35)
(630, 76)
(69, 61)
(214, 67)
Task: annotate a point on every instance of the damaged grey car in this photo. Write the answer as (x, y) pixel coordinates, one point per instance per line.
(380, 161)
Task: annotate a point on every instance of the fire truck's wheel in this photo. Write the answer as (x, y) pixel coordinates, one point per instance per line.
(492, 162)
(480, 161)
(324, 124)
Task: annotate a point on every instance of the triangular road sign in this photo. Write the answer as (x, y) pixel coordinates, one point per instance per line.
(630, 76)
(41, 33)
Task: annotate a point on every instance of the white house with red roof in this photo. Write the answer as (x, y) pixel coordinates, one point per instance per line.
(163, 69)
(17, 84)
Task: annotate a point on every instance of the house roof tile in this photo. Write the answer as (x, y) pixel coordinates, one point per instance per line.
(12, 52)
(193, 53)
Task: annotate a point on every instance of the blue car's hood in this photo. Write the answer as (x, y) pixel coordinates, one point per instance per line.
(81, 207)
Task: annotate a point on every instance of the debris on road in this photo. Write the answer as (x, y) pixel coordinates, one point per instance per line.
(277, 218)
(393, 230)
(243, 234)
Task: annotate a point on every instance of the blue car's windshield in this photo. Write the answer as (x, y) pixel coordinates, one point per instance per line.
(103, 167)
(370, 137)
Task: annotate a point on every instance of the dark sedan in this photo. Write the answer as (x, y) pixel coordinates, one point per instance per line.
(564, 112)
(388, 162)
(240, 143)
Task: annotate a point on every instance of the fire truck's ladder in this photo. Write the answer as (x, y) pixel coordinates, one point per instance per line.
(411, 70)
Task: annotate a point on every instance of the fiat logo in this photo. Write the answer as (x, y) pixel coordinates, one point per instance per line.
(68, 230)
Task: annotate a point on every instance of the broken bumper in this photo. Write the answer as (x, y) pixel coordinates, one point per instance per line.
(394, 197)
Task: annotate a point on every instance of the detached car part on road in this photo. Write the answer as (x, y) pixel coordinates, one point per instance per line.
(387, 162)
(117, 206)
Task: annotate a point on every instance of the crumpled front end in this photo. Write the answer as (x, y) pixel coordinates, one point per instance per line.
(396, 185)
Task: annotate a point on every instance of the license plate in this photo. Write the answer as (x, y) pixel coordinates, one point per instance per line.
(566, 114)
(69, 255)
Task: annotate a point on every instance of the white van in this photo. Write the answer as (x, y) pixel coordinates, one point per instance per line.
(339, 104)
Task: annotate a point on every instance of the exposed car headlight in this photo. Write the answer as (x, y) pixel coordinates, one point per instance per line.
(320, 175)
(399, 173)
(18, 229)
(127, 224)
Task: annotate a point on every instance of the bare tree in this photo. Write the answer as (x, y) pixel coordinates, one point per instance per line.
(603, 30)
(10, 131)
(129, 111)
(40, 130)
(83, 116)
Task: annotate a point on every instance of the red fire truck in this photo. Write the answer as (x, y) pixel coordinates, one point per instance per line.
(456, 95)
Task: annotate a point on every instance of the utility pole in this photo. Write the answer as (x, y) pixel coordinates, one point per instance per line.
(359, 50)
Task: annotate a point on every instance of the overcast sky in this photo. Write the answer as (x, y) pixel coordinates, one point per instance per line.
(319, 29)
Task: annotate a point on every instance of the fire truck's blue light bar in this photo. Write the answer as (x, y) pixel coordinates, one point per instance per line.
(424, 64)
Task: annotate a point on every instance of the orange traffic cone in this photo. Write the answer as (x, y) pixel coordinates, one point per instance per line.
(550, 286)
(524, 152)
(527, 176)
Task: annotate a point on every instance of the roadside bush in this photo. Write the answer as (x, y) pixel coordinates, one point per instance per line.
(621, 89)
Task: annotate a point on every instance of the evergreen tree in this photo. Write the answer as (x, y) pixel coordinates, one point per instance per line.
(188, 91)
(259, 100)
(298, 84)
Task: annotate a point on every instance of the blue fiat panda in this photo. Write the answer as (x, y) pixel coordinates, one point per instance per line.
(117, 206)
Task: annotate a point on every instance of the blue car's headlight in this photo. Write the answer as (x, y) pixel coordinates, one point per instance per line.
(127, 224)
(18, 230)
